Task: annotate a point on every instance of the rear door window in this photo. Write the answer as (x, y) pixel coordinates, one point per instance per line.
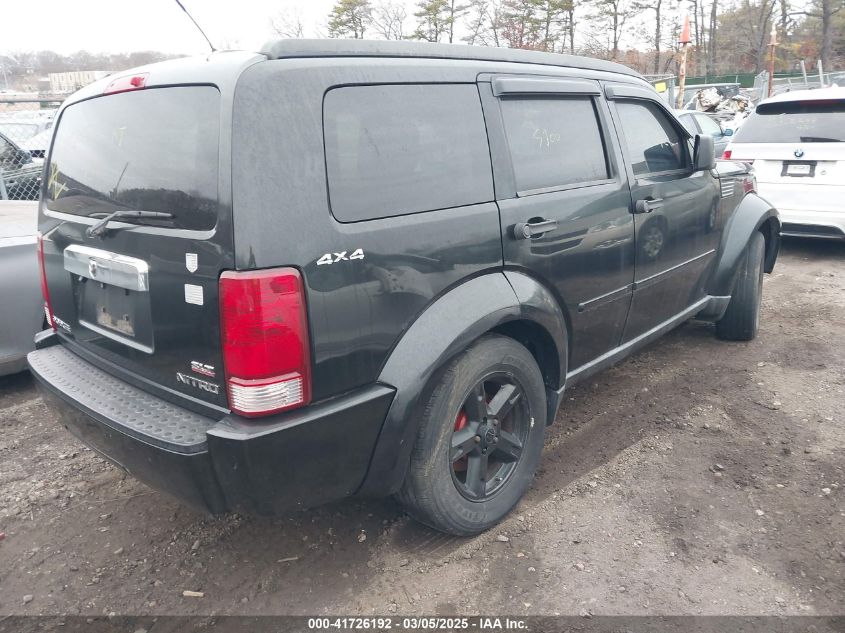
(147, 150)
(654, 144)
(398, 149)
(795, 122)
(554, 141)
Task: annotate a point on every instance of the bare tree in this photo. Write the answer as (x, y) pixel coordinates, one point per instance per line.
(456, 12)
(288, 24)
(552, 17)
(477, 23)
(570, 23)
(389, 20)
(485, 23)
(613, 15)
(712, 43)
(657, 7)
(824, 11)
(743, 35)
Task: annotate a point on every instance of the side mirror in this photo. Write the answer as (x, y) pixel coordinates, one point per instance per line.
(704, 154)
(728, 132)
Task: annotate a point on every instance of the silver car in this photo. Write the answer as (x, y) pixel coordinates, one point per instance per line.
(21, 309)
(701, 123)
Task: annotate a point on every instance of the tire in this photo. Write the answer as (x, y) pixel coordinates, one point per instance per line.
(445, 493)
(741, 320)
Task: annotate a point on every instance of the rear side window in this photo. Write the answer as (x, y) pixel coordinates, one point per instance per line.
(796, 122)
(653, 143)
(148, 150)
(554, 141)
(397, 149)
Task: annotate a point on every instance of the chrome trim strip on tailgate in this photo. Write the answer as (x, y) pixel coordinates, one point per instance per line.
(108, 268)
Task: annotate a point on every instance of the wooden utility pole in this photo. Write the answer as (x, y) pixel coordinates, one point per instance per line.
(684, 41)
(772, 44)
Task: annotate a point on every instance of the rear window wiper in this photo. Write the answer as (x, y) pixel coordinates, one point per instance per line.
(819, 139)
(100, 227)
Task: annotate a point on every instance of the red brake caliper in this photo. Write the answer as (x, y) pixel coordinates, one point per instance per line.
(461, 422)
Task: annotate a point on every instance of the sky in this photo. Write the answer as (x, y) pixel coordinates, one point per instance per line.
(122, 26)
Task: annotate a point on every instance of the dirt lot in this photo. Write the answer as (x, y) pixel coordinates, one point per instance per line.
(696, 477)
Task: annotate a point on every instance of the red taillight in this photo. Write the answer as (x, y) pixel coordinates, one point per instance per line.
(264, 332)
(48, 308)
(727, 154)
(129, 82)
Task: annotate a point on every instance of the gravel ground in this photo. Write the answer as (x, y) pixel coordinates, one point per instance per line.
(697, 477)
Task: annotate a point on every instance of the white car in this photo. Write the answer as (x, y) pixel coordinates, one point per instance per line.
(796, 143)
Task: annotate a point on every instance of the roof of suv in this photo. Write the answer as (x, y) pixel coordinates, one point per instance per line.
(818, 94)
(288, 48)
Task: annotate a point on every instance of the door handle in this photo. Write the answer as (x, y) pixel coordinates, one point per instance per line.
(528, 230)
(648, 205)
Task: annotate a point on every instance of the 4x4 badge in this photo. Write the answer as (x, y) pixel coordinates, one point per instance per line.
(333, 258)
(191, 262)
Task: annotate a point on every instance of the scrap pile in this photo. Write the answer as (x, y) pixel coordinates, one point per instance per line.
(729, 112)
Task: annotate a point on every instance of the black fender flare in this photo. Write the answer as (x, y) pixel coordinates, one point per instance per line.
(446, 327)
(750, 215)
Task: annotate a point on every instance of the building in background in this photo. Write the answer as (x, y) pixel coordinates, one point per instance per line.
(67, 82)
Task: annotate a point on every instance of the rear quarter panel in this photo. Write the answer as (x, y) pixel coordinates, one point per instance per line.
(357, 309)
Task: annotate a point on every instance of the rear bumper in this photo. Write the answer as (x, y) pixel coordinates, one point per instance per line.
(822, 225)
(298, 459)
(807, 210)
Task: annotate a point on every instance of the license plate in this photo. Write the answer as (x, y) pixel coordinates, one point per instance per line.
(119, 322)
(797, 170)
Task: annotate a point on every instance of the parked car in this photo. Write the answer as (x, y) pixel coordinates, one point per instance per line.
(37, 145)
(344, 268)
(31, 130)
(21, 310)
(796, 142)
(700, 123)
(20, 174)
(20, 131)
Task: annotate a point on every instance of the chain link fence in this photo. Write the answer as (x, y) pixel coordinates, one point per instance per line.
(25, 132)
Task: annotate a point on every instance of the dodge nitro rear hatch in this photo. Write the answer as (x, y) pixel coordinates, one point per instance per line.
(135, 235)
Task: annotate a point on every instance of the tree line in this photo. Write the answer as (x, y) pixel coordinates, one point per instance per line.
(728, 36)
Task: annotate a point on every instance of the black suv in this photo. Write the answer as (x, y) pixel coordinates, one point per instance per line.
(344, 267)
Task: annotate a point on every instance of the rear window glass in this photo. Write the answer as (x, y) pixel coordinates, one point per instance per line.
(554, 142)
(797, 122)
(148, 150)
(392, 150)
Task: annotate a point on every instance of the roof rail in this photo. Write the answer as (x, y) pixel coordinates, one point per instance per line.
(293, 48)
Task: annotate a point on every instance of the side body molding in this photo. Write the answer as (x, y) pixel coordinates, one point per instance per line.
(446, 327)
(749, 216)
